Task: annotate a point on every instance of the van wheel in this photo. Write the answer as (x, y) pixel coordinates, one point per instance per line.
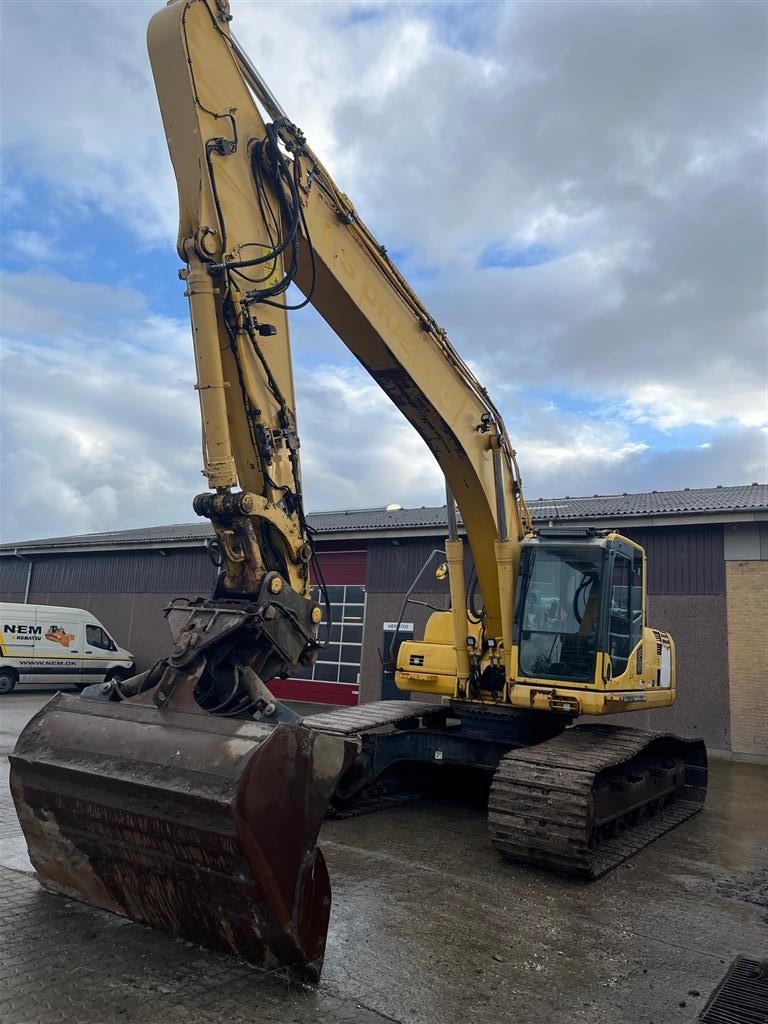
(8, 680)
(117, 675)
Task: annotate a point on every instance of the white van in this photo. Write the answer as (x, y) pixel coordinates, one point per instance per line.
(59, 646)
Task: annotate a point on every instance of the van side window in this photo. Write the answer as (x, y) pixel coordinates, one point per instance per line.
(96, 637)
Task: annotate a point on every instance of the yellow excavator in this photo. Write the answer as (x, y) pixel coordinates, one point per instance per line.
(190, 799)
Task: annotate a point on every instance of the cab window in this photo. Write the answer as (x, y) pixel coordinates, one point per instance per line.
(637, 620)
(97, 637)
(626, 610)
(560, 613)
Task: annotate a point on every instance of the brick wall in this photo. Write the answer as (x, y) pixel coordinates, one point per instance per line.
(698, 626)
(747, 608)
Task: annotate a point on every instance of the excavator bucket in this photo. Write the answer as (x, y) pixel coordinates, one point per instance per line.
(199, 825)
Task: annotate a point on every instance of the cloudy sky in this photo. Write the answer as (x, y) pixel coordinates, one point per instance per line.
(577, 190)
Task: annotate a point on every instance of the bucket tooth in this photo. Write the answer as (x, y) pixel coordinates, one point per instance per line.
(202, 826)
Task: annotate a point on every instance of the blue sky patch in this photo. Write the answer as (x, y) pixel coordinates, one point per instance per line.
(42, 233)
(465, 25)
(510, 257)
(573, 404)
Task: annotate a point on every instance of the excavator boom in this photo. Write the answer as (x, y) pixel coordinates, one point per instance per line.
(235, 175)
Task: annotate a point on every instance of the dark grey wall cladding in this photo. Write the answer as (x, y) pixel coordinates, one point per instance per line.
(392, 568)
(136, 621)
(683, 559)
(13, 575)
(132, 572)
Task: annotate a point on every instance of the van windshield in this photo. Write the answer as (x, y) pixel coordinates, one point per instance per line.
(558, 636)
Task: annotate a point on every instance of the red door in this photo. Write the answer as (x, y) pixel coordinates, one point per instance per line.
(335, 678)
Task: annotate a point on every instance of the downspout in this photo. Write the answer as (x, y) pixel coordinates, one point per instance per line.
(29, 574)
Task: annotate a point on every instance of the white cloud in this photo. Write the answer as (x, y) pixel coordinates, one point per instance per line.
(79, 110)
(634, 142)
(98, 431)
(357, 449)
(725, 394)
(33, 245)
(104, 143)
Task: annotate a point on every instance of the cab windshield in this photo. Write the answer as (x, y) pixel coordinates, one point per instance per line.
(560, 612)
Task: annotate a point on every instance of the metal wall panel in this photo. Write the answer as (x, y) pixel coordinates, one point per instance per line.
(134, 572)
(392, 568)
(13, 576)
(184, 571)
(742, 542)
(683, 559)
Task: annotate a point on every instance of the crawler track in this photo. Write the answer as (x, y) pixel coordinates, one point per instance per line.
(582, 803)
(366, 717)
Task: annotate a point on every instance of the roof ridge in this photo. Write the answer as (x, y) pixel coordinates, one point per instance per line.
(678, 501)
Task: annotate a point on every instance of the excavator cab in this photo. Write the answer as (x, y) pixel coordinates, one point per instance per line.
(559, 611)
(580, 630)
(578, 640)
(578, 595)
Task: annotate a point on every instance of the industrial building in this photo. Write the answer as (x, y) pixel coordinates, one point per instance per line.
(707, 584)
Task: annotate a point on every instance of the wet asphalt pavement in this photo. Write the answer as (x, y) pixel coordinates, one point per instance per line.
(429, 926)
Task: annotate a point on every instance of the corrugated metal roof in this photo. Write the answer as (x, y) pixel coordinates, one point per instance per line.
(146, 535)
(378, 519)
(652, 503)
(612, 506)
(690, 501)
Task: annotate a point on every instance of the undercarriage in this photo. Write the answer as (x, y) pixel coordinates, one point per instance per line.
(577, 800)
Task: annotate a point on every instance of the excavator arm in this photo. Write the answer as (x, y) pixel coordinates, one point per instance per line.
(258, 212)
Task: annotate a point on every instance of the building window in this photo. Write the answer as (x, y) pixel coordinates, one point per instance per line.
(339, 662)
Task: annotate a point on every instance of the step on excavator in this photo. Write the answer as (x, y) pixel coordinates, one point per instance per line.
(188, 798)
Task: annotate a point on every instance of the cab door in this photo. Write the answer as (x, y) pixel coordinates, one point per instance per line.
(625, 610)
